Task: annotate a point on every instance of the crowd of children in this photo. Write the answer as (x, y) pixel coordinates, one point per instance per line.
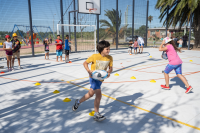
(138, 43)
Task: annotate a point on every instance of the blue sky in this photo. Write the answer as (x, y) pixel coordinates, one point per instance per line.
(16, 12)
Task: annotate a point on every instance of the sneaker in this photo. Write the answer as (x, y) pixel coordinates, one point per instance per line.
(8, 70)
(69, 62)
(188, 89)
(99, 117)
(75, 106)
(20, 67)
(13, 69)
(165, 87)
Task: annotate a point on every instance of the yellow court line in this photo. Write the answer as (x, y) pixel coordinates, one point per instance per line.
(180, 122)
(79, 79)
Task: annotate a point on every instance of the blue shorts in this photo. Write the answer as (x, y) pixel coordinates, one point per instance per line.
(95, 84)
(177, 69)
(59, 52)
(180, 46)
(141, 44)
(135, 48)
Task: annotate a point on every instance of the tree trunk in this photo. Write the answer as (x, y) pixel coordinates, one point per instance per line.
(114, 41)
(197, 26)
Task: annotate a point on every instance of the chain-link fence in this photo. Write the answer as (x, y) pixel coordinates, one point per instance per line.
(46, 15)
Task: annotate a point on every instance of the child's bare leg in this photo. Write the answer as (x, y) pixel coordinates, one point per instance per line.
(65, 58)
(166, 79)
(87, 95)
(61, 58)
(57, 58)
(48, 55)
(97, 100)
(45, 55)
(184, 80)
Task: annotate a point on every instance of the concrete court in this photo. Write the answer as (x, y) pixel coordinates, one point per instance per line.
(130, 105)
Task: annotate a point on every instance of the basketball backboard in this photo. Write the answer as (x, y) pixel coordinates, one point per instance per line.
(89, 6)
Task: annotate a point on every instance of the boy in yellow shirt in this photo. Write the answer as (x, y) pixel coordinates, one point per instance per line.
(100, 61)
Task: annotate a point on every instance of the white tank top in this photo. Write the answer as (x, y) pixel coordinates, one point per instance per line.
(8, 44)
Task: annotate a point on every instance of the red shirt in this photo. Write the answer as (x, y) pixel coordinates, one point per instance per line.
(59, 46)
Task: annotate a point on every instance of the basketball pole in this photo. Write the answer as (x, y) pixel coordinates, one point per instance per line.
(147, 23)
(97, 28)
(31, 29)
(116, 24)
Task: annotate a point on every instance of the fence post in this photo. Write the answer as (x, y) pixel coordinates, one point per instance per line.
(133, 19)
(167, 19)
(147, 15)
(97, 28)
(116, 24)
(61, 13)
(31, 29)
(190, 31)
(75, 27)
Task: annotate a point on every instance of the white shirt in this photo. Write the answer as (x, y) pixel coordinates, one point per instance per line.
(140, 40)
(8, 44)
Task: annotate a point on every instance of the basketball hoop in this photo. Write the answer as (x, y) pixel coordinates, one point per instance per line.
(92, 9)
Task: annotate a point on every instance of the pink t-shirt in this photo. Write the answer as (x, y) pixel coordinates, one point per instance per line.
(172, 55)
(135, 44)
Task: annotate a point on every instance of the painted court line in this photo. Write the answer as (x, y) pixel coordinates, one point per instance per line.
(180, 122)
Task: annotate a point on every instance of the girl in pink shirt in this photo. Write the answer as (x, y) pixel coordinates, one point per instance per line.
(175, 63)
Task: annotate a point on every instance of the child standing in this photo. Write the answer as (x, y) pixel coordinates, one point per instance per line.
(174, 63)
(59, 48)
(99, 61)
(180, 44)
(67, 48)
(46, 48)
(8, 47)
(135, 46)
(130, 47)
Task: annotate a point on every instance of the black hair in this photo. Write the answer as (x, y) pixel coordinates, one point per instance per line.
(58, 35)
(130, 41)
(135, 39)
(67, 35)
(103, 44)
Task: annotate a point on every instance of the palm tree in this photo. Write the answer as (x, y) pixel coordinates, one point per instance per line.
(150, 18)
(111, 27)
(180, 14)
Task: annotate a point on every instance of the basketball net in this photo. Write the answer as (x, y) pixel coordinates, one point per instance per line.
(91, 10)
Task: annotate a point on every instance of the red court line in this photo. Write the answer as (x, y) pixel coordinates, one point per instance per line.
(151, 79)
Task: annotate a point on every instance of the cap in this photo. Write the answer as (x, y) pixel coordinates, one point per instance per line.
(7, 36)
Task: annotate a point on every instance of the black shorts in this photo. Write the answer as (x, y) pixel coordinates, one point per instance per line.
(66, 52)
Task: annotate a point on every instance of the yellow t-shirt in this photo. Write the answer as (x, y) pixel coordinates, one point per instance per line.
(99, 62)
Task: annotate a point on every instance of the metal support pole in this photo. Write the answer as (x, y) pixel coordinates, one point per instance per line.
(97, 28)
(31, 29)
(75, 26)
(116, 24)
(147, 23)
(69, 28)
(167, 19)
(190, 31)
(61, 13)
(133, 19)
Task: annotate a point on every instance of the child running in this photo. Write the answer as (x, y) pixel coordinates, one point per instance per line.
(8, 47)
(130, 47)
(46, 48)
(180, 44)
(174, 63)
(67, 48)
(59, 48)
(135, 46)
(99, 61)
